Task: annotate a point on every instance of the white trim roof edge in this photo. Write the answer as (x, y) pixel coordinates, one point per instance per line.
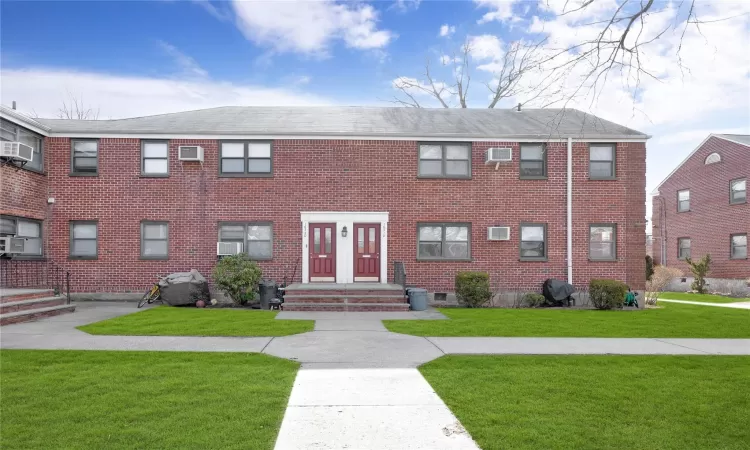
(656, 189)
(23, 120)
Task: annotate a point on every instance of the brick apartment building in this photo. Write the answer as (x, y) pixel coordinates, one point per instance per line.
(701, 208)
(333, 194)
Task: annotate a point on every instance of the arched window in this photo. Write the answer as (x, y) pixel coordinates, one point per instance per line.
(713, 158)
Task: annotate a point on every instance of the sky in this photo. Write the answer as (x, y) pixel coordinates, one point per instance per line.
(136, 58)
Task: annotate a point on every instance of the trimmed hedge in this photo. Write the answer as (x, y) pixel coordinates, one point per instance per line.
(533, 300)
(607, 294)
(473, 289)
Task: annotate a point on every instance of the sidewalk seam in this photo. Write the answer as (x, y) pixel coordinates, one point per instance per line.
(684, 346)
(436, 346)
(267, 344)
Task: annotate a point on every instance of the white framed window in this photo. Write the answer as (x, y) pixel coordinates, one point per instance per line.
(738, 191)
(154, 240)
(443, 241)
(533, 242)
(602, 161)
(444, 160)
(603, 242)
(155, 158)
(246, 159)
(683, 248)
(28, 229)
(683, 200)
(738, 246)
(84, 239)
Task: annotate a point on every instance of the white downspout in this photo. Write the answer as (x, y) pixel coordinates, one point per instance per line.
(570, 210)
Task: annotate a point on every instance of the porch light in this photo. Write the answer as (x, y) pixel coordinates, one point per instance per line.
(344, 231)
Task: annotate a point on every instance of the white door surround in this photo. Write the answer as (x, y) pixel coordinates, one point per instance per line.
(345, 245)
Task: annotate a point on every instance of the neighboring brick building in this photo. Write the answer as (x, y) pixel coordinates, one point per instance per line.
(409, 185)
(701, 207)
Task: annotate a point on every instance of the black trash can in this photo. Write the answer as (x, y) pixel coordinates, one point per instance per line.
(267, 292)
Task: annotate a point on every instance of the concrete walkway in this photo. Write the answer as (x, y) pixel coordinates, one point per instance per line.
(737, 305)
(358, 387)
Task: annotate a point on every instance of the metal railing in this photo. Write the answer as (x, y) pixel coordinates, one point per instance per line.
(34, 274)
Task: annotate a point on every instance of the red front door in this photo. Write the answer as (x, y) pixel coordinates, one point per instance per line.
(323, 252)
(367, 252)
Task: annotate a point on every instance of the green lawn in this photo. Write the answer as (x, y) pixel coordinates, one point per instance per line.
(127, 400)
(597, 402)
(670, 320)
(169, 321)
(705, 298)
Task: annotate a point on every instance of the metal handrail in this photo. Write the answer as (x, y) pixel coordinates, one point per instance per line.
(34, 274)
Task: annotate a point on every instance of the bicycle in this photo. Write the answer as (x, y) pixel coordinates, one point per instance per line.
(151, 296)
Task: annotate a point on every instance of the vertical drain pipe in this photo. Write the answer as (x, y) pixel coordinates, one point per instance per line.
(570, 210)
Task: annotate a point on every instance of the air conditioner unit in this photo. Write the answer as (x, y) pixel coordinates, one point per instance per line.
(17, 150)
(498, 154)
(191, 153)
(498, 233)
(228, 248)
(9, 245)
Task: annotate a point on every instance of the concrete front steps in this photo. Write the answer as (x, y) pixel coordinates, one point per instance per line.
(345, 297)
(26, 305)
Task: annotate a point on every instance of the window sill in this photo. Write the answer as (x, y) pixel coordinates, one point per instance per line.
(154, 258)
(425, 177)
(737, 203)
(603, 179)
(545, 259)
(29, 258)
(737, 259)
(82, 258)
(602, 260)
(683, 211)
(533, 178)
(445, 260)
(145, 175)
(246, 175)
(27, 169)
(76, 174)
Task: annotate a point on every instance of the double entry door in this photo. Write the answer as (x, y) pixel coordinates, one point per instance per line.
(323, 253)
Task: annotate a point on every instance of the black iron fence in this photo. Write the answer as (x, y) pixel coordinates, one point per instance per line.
(34, 274)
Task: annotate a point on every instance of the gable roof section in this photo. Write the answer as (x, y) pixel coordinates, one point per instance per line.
(23, 120)
(364, 122)
(742, 139)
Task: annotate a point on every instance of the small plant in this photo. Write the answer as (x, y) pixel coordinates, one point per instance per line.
(238, 277)
(534, 300)
(649, 267)
(607, 294)
(659, 282)
(700, 270)
(473, 289)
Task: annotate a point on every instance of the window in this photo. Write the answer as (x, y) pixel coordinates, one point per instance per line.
(738, 248)
(256, 238)
(246, 159)
(11, 132)
(683, 200)
(713, 158)
(533, 161)
(443, 241)
(533, 242)
(155, 158)
(445, 160)
(154, 240)
(603, 242)
(601, 161)
(738, 191)
(29, 229)
(84, 239)
(84, 159)
(683, 248)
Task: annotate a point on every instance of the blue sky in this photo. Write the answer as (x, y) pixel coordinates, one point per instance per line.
(146, 57)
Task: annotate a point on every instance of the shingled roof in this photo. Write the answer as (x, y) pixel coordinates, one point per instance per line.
(366, 122)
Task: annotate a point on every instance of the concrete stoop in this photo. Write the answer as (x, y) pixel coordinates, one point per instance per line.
(30, 305)
(345, 297)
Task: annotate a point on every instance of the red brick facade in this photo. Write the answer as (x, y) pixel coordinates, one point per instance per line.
(338, 175)
(711, 219)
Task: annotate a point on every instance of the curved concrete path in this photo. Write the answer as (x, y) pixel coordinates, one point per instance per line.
(358, 387)
(736, 305)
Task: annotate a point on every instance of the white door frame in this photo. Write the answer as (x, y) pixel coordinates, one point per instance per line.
(345, 245)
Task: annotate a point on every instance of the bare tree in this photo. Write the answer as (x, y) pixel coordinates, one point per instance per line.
(659, 282)
(540, 73)
(75, 108)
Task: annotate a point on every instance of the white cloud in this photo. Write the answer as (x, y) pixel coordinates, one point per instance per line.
(500, 10)
(448, 59)
(42, 91)
(188, 66)
(405, 5)
(485, 47)
(218, 12)
(447, 30)
(310, 27)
